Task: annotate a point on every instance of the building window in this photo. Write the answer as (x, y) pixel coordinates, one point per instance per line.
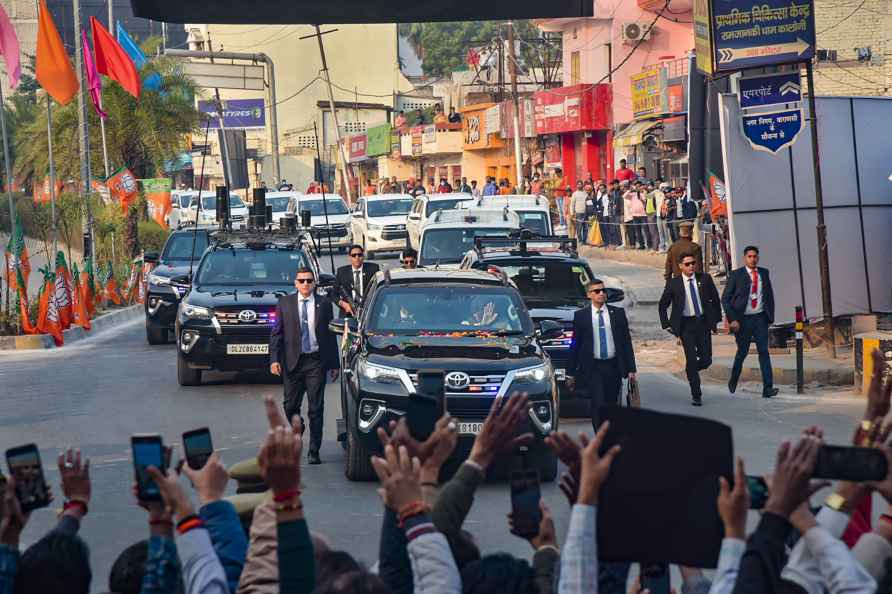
(354, 127)
(574, 68)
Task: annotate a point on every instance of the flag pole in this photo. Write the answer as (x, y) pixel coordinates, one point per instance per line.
(49, 141)
(7, 164)
(104, 146)
(83, 133)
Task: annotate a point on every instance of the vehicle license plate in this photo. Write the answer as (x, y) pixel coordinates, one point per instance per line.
(247, 349)
(467, 428)
(560, 374)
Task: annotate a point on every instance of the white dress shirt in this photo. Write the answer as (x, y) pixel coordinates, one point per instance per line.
(750, 310)
(311, 318)
(689, 311)
(611, 349)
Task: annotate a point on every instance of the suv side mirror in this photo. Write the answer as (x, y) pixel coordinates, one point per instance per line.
(337, 325)
(182, 280)
(549, 330)
(326, 280)
(151, 257)
(615, 295)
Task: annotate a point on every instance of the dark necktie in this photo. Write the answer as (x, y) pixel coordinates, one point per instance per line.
(602, 335)
(357, 284)
(694, 299)
(305, 345)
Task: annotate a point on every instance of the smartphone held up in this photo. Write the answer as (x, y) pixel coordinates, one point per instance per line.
(30, 484)
(148, 450)
(198, 447)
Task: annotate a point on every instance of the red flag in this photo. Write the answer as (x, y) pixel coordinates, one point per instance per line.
(48, 321)
(112, 60)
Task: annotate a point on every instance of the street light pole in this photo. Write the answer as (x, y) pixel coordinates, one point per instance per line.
(512, 68)
(83, 133)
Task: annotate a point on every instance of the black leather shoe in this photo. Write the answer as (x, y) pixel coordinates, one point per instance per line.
(314, 458)
(769, 392)
(732, 385)
(696, 401)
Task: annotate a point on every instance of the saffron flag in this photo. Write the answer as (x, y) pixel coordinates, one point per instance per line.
(157, 193)
(718, 207)
(18, 264)
(54, 71)
(112, 60)
(112, 291)
(48, 313)
(94, 82)
(122, 187)
(80, 299)
(64, 292)
(153, 80)
(9, 48)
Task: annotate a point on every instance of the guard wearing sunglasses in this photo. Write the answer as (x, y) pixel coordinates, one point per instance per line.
(354, 278)
(301, 350)
(601, 354)
(696, 311)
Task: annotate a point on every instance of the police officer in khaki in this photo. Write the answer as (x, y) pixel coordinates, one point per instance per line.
(684, 244)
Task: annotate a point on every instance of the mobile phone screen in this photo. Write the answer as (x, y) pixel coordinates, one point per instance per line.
(198, 447)
(147, 451)
(426, 406)
(758, 491)
(30, 485)
(525, 497)
(850, 464)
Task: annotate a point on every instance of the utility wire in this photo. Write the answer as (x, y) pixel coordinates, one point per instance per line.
(638, 43)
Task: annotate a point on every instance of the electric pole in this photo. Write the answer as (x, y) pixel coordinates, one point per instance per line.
(512, 70)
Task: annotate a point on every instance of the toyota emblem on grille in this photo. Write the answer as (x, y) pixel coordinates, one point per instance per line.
(457, 380)
(247, 315)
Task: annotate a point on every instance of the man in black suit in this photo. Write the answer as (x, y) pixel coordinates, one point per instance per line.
(749, 304)
(601, 354)
(354, 278)
(696, 311)
(301, 350)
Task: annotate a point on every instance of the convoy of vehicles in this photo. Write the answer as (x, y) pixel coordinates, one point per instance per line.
(449, 234)
(424, 207)
(379, 222)
(533, 210)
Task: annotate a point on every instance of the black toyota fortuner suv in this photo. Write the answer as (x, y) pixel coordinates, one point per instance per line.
(182, 250)
(550, 277)
(470, 325)
(224, 321)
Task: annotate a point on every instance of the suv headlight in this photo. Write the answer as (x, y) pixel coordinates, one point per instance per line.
(375, 227)
(531, 375)
(195, 312)
(385, 375)
(155, 279)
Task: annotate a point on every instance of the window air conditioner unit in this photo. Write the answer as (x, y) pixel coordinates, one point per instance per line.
(635, 32)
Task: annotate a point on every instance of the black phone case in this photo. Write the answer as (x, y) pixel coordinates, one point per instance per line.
(19, 488)
(850, 464)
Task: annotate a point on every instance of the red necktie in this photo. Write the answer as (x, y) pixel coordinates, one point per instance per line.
(754, 299)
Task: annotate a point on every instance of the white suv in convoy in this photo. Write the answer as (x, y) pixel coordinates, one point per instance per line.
(180, 200)
(379, 222)
(207, 214)
(279, 202)
(533, 210)
(449, 234)
(424, 207)
(338, 225)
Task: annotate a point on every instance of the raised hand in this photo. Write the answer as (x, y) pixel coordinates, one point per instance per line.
(546, 536)
(568, 451)
(12, 520)
(400, 476)
(791, 482)
(595, 467)
(734, 504)
(279, 460)
(75, 475)
(498, 433)
(176, 500)
(209, 481)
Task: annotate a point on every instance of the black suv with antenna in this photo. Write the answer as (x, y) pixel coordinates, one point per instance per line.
(468, 327)
(550, 276)
(225, 319)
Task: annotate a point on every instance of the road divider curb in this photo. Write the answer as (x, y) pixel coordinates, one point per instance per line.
(74, 334)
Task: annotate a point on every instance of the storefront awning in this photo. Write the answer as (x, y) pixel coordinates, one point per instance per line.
(633, 133)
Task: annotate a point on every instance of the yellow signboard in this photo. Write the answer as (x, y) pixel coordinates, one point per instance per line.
(702, 36)
(646, 92)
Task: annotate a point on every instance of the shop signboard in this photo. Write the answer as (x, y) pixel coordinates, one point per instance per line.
(572, 109)
(429, 136)
(675, 98)
(493, 119)
(675, 129)
(772, 131)
(238, 114)
(356, 149)
(745, 34)
(378, 140)
(647, 92)
(417, 140)
(395, 143)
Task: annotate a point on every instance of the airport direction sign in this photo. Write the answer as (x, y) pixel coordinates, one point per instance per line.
(769, 89)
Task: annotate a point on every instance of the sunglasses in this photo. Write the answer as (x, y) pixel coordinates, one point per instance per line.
(689, 263)
(306, 281)
(598, 291)
(408, 261)
(356, 255)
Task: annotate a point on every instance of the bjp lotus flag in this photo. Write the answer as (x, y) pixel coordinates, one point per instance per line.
(64, 292)
(112, 291)
(18, 265)
(48, 321)
(122, 187)
(88, 287)
(157, 193)
(79, 300)
(53, 69)
(718, 206)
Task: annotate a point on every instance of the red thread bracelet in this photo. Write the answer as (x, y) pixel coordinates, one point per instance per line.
(286, 496)
(189, 523)
(75, 503)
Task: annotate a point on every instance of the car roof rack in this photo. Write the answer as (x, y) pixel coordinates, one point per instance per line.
(520, 243)
(259, 238)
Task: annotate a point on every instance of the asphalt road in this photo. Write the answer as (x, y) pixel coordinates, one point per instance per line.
(95, 394)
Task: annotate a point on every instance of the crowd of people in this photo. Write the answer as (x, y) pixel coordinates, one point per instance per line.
(424, 548)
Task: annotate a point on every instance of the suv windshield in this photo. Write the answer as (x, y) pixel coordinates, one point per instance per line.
(279, 203)
(443, 310)
(448, 246)
(389, 207)
(210, 202)
(335, 206)
(534, 220)
(185, 200)
(243, 266)
(435, 205)
(179, 246)
(548, 280)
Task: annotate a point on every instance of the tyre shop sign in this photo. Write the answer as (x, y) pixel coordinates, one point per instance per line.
(238, 114)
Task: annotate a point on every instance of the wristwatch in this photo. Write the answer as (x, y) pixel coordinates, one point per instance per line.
(835, 501)
(862, 434)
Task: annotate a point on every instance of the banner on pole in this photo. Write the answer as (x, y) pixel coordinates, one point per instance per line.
(122, 187)
(157, 193)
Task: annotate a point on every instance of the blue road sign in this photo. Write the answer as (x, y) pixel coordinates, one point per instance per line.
(755, 33)
(769, 89)
(772, 131)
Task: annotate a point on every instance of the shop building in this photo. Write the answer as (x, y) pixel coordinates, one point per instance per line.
(486, 154)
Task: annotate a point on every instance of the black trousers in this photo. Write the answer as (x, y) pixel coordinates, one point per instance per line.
(697, 342)
(604, 386)
(309, 377)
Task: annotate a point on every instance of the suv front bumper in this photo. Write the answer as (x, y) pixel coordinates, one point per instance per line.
(161, 306)
(205, 347)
